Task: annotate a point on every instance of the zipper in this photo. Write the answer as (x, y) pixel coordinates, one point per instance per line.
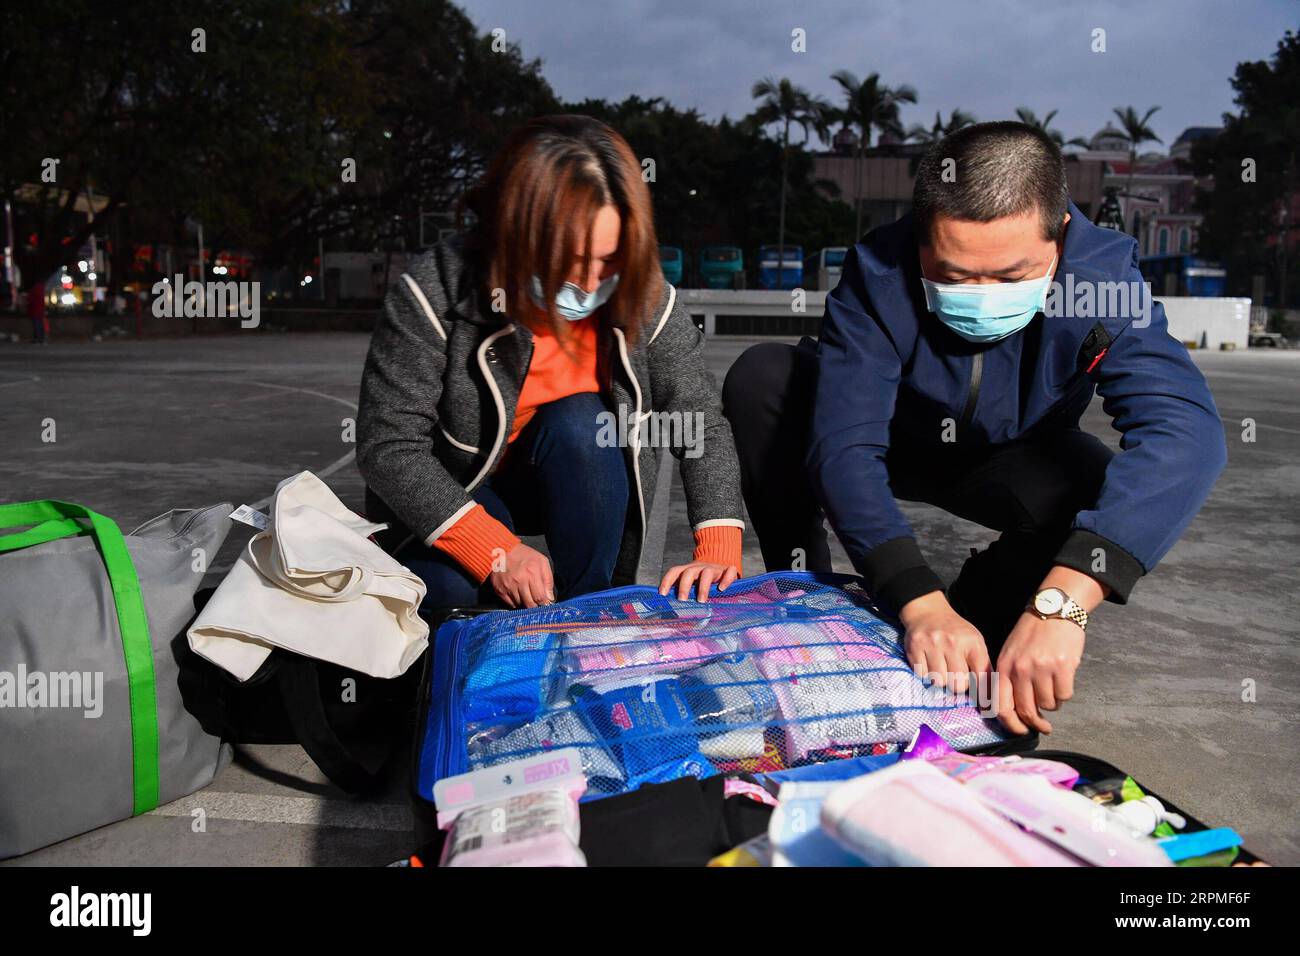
(189, 522)
(446, 656)
(488, 346)
(973, 393)
(195, 515)
(636, 448)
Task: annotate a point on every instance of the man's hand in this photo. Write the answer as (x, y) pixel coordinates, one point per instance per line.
(684, 575)
(940, 641)
(1036, 671)
(527, 580)
(1037, 664)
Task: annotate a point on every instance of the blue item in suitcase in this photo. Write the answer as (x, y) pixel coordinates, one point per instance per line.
(782, 670)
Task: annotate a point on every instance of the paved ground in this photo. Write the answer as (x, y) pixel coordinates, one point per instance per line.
(142, 428)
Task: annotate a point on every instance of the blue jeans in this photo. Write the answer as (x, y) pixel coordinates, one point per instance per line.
(556, 481)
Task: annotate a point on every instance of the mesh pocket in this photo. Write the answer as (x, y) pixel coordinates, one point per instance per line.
(782, 670)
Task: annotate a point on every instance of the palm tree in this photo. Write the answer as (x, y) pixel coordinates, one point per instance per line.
(789, 105)
(1137, 132)
(869, 105)
(1026, 116)
(938, 131)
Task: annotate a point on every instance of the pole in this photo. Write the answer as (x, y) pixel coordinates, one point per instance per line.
(9, 256)
(320, 252)
(203, 292)
(94, 247)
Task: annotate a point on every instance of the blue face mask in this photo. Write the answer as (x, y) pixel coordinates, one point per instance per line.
(989, 311)
(572, 301)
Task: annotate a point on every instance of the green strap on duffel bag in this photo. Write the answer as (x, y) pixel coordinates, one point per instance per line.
(52, 520)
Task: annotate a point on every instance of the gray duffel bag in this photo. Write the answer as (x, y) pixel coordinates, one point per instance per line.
(92, 727)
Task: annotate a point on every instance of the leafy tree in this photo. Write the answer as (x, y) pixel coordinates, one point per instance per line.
(936, 132)
(1028, 117)
(788, 105)
(247, 131)
(1249, 223)
(869, 105)
(720, 183)
(1137, 131)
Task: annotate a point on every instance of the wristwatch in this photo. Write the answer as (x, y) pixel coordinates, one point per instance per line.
(1053, 602)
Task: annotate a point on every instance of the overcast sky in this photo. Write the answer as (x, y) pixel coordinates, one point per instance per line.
(985, 57)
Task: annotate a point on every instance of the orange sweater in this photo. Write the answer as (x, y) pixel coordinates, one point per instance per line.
(477, 541)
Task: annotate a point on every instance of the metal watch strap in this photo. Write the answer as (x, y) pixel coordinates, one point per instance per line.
(1075, 613)
(1070, 611)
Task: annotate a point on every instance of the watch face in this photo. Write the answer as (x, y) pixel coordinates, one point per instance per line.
(1049, 601)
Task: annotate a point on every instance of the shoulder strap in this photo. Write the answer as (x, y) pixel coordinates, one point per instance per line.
(51, 520)
(300, 686)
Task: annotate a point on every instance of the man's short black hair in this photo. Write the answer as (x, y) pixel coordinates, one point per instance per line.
(996, 170)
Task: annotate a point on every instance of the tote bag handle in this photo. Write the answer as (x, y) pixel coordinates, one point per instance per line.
(52, 520)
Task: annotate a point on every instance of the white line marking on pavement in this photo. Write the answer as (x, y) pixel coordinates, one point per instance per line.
(303, 811)
(26, 379)
(320, 473)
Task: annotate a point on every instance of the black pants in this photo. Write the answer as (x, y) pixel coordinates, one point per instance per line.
(1029, 490)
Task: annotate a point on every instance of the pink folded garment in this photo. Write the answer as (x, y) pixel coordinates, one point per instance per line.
(602, 635)
(659, 656)
(911, 814)
(784, 643)
(765, 593)
(964, 767)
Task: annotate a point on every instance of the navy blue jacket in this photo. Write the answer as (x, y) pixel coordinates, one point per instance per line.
(889, 370)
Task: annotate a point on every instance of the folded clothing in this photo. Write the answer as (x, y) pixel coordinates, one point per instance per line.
(963, 767)
(593, 664)
(600, 635)
(796, 831)
(912, 814)
(784, 643)
(685, 822)
(512, 675)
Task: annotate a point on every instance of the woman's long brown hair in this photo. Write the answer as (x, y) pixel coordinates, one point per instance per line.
(536, 208)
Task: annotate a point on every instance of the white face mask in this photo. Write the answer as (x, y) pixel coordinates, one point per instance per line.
(572, 301)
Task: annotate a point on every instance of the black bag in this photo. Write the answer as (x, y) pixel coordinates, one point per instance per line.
(295, 699)
(1095, 770)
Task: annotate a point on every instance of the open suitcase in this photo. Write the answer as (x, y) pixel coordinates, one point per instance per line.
(676, 706)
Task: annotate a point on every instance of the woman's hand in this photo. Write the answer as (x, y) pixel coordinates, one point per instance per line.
(526, 580)
(705, 572)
